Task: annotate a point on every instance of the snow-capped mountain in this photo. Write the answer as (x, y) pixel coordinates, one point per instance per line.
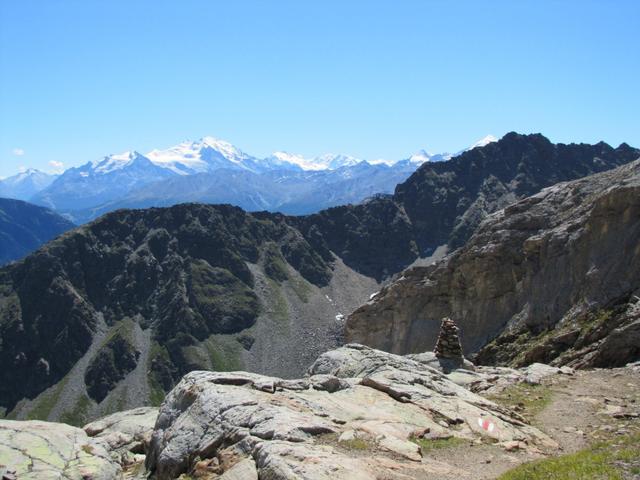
(483, 142)
(100, 181)
(202, 156)
(99, 184)
(288, 191)
(25, 184)
(423, 156)
(209, 154)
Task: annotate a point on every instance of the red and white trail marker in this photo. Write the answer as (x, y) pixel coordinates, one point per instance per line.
(486, 424)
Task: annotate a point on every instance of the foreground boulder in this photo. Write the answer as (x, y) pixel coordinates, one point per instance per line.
(126, 434)
(357, 416)
(43, 450)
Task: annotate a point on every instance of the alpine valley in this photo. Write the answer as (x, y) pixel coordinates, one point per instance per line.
(299, 338)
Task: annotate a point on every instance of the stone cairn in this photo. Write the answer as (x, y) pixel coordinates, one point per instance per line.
(448, 344)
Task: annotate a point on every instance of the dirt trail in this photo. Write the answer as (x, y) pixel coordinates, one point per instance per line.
(591, 406)
(583, 409)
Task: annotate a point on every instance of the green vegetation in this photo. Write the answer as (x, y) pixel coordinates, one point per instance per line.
(278, 307)
(157, 394)
(614, 460)
(353, 444)
(529, 400)
(587, 326)
(157, 355)
(274, 264)
(356, 444)
(301, 287)
(78, 415)
(115, 359)
(524, 347)
(427, 444)
(226, 303)
(225, 353)
(46, 401)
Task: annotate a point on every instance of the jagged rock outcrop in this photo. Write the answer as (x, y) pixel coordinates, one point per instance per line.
(24, 227)
(289, 429)
(560, 268)
(49, 451)
(444, 202)
(213, 287)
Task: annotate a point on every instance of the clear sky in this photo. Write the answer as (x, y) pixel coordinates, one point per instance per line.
(377, 79)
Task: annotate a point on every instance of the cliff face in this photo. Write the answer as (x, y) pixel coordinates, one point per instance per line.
(444, 202)
(544, 266)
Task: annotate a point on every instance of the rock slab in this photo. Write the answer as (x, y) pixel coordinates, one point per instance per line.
(34, 450)
(355, 399)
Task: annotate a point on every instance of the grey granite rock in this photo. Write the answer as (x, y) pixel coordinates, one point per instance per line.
(561, 259)
(291, 428)
(33, 450)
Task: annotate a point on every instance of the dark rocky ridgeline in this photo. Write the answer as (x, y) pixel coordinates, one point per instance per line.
(552, 278)
(24, 227)
(444, 202)
(198, 287)
(182, 271)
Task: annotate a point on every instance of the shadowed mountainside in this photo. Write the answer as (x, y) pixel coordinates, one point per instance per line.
(112, 314)
(24, 227)
(552, 278)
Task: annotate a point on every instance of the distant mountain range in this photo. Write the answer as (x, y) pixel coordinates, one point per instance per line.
(111, 315)
(26, 184)
(214, 171)
(24, 227)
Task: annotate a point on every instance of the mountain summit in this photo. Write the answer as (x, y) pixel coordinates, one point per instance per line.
(215, 171)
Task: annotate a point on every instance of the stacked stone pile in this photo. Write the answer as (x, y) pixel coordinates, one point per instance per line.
(448, 343)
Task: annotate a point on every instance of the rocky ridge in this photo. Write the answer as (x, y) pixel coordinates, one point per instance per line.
(109, 317)
(443, 203)
(288, 428)
(553, 278)
(140, 298)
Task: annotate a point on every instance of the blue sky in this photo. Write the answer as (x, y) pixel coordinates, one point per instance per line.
(377, 79)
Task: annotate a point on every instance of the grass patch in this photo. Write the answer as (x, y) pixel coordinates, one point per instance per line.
(614, 460)
(302, 288)
(46, 402)
(225, 353)
(225, 303)
(356, 444)
(157, 393)
(528, 400)
(427, 444)
(88, 449)
(78, 415)
(274, 264)
(278, 308)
